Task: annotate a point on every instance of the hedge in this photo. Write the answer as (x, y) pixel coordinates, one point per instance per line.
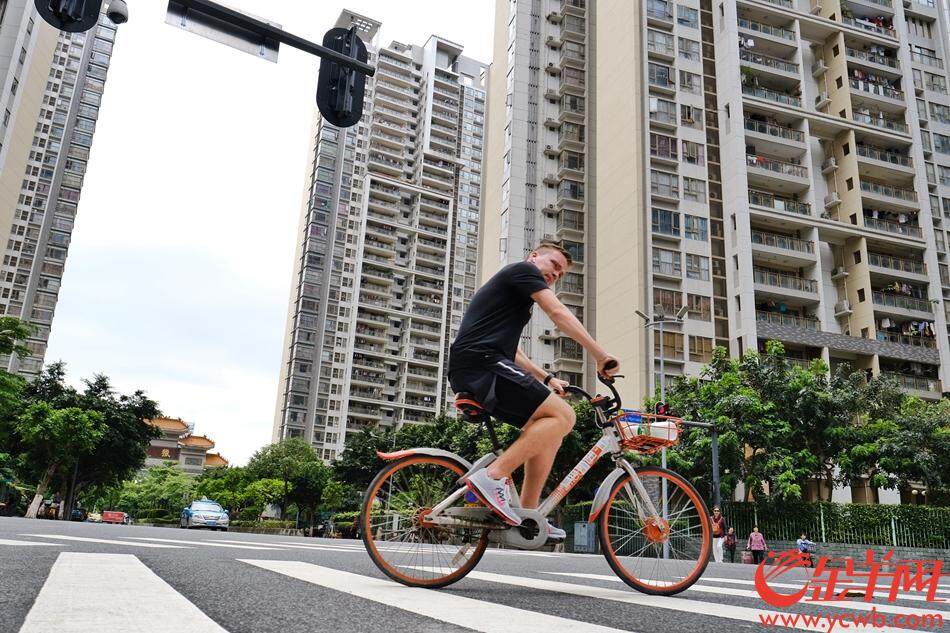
(157, 513)
(264, 524)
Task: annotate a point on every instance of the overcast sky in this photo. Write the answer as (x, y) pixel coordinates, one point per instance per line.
(178, 275)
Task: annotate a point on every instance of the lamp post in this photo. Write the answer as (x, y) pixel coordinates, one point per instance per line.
(658, 321)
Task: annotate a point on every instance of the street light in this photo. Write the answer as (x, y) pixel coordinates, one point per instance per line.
(659, 320)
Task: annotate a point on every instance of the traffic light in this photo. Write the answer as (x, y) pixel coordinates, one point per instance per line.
(72, 16)
(660, 408)
(340, 89)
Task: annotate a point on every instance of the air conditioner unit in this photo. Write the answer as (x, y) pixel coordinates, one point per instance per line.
(832, 199)
(550, 64)
(547, 147)
(843, 308)
(822, 100)
(547, 332)
(829, 165)
(547, 366)
(839, 272)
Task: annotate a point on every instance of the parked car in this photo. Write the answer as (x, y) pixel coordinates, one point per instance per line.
(204, 513)
(79, 515)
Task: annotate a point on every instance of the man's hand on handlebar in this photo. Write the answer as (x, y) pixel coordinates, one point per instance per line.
(607, 366)
(558, 386)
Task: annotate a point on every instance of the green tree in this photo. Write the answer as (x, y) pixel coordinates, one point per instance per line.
(227, 486)
(287, 461)
(264, 492)
(55, 437)
(12, 332)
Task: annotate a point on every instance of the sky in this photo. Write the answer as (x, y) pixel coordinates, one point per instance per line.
(179, 271)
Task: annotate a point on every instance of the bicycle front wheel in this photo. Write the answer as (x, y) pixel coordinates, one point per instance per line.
(660, 554)
(403, 544)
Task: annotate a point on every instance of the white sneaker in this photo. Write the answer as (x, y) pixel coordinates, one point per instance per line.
(493, 493)
(555, 534)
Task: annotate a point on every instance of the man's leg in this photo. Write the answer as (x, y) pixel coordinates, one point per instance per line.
(540, 440)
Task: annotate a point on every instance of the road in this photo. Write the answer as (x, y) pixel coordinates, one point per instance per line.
(83, 577)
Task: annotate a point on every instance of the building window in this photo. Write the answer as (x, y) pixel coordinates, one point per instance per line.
(666, 222)
(697, 228)
(690, 82)
(700, 349)
(667, 262)
(697, 267)
(667, 301)
(672, 345)
(699, 307)
(687, 16)
(694, 189)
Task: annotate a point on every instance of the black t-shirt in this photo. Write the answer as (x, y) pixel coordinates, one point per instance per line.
(497, 314)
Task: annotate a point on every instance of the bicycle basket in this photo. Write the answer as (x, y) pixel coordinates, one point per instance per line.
(645, 432)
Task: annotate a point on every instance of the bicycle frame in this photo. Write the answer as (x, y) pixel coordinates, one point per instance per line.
(608, 444)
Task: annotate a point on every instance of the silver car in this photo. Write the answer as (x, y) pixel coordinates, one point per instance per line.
(204, 513)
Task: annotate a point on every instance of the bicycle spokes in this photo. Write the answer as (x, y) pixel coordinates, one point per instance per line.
(661, 550)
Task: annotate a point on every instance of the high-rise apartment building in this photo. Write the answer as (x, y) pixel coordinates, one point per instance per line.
(781, 168)
(538, 167)
(52, 84)
(386, 253)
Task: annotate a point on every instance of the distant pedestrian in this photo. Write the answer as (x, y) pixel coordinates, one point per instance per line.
(729, 543)
(718, 532)
(757, 544)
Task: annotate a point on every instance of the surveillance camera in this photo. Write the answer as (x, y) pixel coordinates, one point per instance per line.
(118, 11)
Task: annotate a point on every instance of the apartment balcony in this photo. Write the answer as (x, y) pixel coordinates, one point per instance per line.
(376, 335)
(773, 33)
(433, 221)
(571, 290)
(574, 7)
(430, 258)
(433, 246)
(785, 72)
(929, 60)
(897, 268)
(673, 270)
(883, 164)
(377, 276)
(909, 341)
(436, 181)
(879, 93)
(889, 195)
(867, 25)
(782, 249)
(384, 191)
(660, 14)
(380, 233)
(666, 119)
(404, 80)
(871, 7)
(787, 320)
(433, 204)
(776, 174)
(874, 61)
(569, 221)
(380, 163)
(568, 112)
(902, 306)
(665, 191)
(662, 84)
(778, 203)
(572, 57)
(570, 169)
(882, 120)
(772, 96)
(904, 229)
(664, 50)
(785, 286)
(426, 311)
(776, 138)
(571, 142)
(568, 350)
(665, 154)
(920, 386)
(572, 85)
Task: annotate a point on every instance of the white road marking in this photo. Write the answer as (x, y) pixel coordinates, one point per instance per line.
(4, 541)
(172, 540)
(881, 591)
(672, 603)
(439, 605)
(745, 593)
(271, 544)
(111, 592)
(85, 539)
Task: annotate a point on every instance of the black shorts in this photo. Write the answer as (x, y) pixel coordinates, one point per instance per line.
(506, 391)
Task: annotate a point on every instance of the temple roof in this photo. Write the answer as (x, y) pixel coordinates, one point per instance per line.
(197, 441)
(214, 460)
(169, 424)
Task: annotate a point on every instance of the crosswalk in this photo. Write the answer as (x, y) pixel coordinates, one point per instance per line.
(101, 591)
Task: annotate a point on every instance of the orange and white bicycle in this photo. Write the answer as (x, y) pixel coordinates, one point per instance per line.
(422, 529)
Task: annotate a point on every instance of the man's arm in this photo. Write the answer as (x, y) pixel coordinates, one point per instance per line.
(522, 360)
(565, 320)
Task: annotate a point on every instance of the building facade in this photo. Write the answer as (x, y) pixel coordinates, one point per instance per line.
(387, 246)
(51, 91)
(538, 167)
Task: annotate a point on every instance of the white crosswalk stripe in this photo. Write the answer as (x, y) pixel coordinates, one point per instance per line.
(6, 541)
(466, 612)
(208, 543)
(673, 603)
(700, 587)
(86, 539)
(111, 592)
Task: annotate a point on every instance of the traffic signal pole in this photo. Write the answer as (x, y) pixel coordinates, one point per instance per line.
(235, 20)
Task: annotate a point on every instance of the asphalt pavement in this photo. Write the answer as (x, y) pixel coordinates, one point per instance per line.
(83, 577)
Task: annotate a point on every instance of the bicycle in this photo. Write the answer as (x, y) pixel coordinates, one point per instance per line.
(422, 528)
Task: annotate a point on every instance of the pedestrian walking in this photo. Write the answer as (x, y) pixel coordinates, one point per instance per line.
(718, 532)
(757, 545)
(729, 544)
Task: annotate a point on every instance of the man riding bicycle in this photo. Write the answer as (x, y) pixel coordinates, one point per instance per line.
(486, 361)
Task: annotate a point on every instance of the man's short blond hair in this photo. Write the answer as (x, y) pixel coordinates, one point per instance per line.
(554, 246)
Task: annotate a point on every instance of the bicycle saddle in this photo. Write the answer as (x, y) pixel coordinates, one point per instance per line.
(471, 410)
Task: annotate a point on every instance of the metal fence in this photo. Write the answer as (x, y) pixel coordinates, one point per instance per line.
(894, 526)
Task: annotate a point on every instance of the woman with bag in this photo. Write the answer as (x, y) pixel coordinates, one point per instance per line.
(718, 533)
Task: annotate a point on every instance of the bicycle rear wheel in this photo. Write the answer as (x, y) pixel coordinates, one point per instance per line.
(658, 556)
(400, 541)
